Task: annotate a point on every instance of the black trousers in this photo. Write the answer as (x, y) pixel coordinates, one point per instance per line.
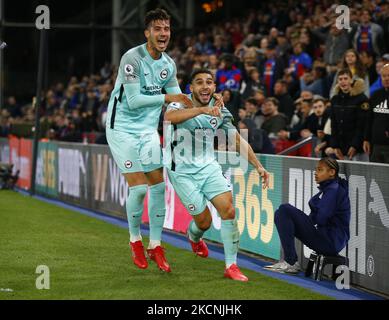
(292, 222)
(380, 153)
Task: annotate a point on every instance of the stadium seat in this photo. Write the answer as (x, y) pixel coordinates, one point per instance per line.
(317, 263)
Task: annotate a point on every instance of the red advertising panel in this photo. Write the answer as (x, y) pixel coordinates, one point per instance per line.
(21, 158)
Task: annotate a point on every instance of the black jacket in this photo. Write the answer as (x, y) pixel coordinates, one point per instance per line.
(378, 125)
(349, 114)
(287, 106)
(313, 123)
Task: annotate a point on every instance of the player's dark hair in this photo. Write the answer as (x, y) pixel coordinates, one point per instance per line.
(331, 163)
(154, 15)
(198, 71)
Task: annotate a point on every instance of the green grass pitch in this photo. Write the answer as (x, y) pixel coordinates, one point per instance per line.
(90, 259)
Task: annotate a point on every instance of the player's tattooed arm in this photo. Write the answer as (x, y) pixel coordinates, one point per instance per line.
(245, 150)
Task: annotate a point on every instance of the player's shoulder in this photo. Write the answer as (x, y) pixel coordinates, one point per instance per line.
(168, 58)
(225, 111)
(135, 53)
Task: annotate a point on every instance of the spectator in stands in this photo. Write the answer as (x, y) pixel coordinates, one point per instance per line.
(336, 43)
(299, 62)
(106, 71)
(352, 61)
(286, 102)
(228, 75)
(257, 138)
(377, 134)
(253, 112)
(304, 127)
(203, 46)
(368, 35)
(283, 46)
(274, 121)
(368, 61)
(13, 107)
(220, 45)
(272, 70)
(378, 83)
(231, 103)
(260, 97)
(305, 96)
(5, 125)
(320, 118)
(212, 64)
(251, 84)
(349, 112)
(59, 91)
(315, 81)
(242, 113)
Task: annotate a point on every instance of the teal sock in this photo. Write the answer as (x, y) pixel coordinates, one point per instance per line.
(156, 210)
(194, 232)
(230, 237)
(134, 208)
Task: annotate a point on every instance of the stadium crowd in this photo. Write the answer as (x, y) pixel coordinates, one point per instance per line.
(279, 69)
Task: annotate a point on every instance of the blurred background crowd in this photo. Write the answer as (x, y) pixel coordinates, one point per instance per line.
(277, 69)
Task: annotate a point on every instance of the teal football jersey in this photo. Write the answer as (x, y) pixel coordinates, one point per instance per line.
(189, 146)
(136, 101)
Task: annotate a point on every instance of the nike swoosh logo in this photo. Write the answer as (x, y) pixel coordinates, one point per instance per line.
(146, 74)
(159, 216)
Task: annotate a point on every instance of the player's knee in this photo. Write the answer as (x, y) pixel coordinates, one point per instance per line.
(229, 213)
(284, 208)
(204, 225)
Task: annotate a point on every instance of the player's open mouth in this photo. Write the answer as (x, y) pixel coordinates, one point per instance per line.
(161, 42)
(205, 95)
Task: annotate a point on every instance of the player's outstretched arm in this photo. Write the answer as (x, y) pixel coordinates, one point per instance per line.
(245, 150)
(182, 115)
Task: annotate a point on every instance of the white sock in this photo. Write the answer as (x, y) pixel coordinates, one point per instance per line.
(135, 238)
(153, 244)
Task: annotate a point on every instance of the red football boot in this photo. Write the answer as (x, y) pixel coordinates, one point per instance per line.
(200, 248)
(138, 254)
(158, 256)
(234, 273)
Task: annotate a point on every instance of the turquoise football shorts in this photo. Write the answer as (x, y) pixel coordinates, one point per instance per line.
(135, 152)
(195, 189)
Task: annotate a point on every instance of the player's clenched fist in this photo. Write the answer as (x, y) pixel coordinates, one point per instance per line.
(180, 98)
